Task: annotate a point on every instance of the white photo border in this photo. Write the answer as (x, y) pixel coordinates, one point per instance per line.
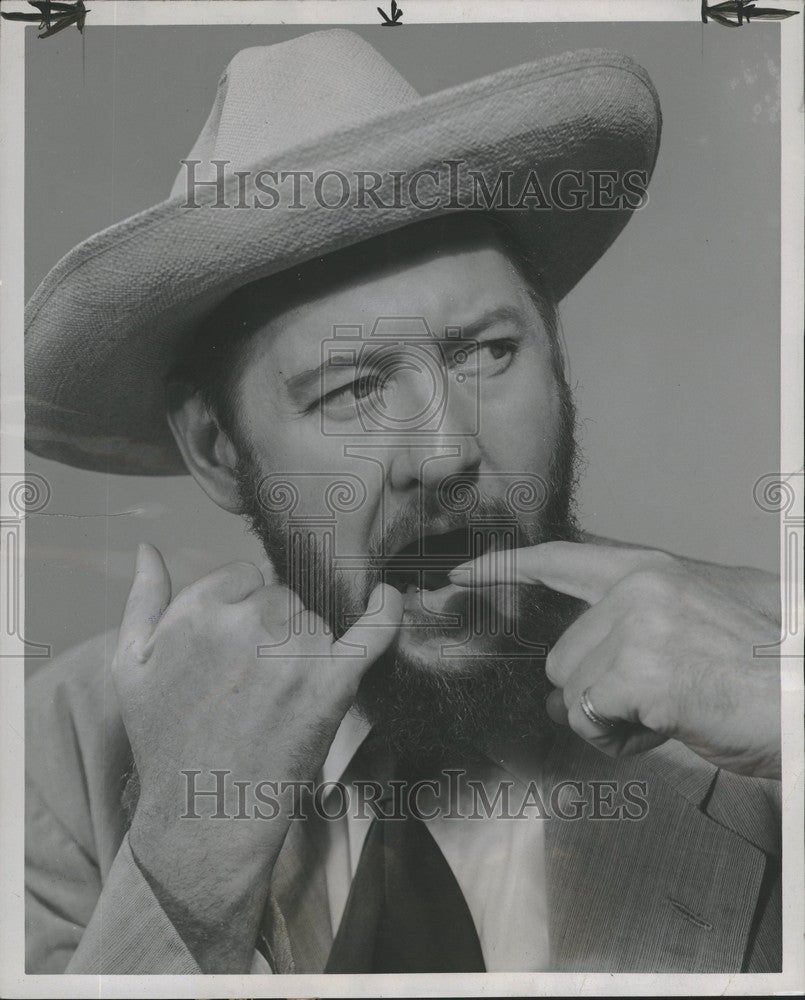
(13, 980)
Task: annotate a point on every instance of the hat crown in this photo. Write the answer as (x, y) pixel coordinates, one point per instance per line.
(271, 98)
(112, 316)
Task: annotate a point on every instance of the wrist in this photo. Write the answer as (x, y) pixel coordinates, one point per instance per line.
(173, 850)
(213, 896)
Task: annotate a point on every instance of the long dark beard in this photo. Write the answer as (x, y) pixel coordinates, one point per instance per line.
(426, 714)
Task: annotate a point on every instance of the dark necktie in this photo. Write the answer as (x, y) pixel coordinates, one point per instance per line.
(405, 911)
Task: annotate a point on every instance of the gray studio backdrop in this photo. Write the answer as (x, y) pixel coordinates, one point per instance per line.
(672, 338)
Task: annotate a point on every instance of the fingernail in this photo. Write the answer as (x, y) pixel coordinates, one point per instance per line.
(376, 598)
(461, 575)
(138, 557)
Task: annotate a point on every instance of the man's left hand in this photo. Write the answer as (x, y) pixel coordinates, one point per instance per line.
(665, 650)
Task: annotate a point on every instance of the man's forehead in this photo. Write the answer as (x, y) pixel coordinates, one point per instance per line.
(449, 293)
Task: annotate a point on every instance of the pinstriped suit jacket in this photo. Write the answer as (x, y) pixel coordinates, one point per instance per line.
(692, 887)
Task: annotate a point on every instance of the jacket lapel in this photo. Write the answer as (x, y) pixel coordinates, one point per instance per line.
(299, 887)
(299, 884)
(674, 891)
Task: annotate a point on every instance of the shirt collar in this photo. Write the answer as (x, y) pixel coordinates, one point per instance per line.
(350, 734)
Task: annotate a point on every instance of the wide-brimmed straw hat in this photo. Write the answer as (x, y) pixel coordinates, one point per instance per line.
(350, 151)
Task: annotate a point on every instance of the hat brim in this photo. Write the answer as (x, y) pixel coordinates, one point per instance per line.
(108, 321)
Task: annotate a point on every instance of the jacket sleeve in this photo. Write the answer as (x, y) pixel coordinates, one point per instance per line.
(89, 908)
(75, 925)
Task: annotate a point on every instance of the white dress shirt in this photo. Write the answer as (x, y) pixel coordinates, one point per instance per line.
(499, 864)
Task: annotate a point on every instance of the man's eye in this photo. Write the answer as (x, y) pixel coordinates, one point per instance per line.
(486, 358)
(350, 393)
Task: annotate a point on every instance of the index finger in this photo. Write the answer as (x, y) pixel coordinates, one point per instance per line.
(576, 568)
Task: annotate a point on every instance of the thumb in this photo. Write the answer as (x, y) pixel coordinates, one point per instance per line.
(148, 599)
(375, 630)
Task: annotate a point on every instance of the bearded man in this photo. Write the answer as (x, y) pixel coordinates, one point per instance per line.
(376, 383)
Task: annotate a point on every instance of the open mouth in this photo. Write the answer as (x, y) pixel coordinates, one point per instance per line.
(424, 563)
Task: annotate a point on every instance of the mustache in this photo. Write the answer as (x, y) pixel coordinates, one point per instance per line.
(494, 517)
(491, 518)
(435, 519)
(336, 584)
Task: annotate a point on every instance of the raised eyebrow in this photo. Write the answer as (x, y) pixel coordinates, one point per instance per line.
(500, 314)
(311, 377)
(296, 384)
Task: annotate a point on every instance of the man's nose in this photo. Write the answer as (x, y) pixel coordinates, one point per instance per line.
(449, 447)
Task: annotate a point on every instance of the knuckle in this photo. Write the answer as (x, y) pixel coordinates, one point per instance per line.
(241, 575)
(657, 716)
(189, 606)
(276, 603)
(635, 667)
(649, 586)
(244, 618)
(243, 570)
(648, 624)
(189, 624)
(653, 560)
(187, 613)
(310, 625)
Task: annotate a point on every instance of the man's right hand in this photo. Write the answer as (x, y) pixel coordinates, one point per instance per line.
(195, 695)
